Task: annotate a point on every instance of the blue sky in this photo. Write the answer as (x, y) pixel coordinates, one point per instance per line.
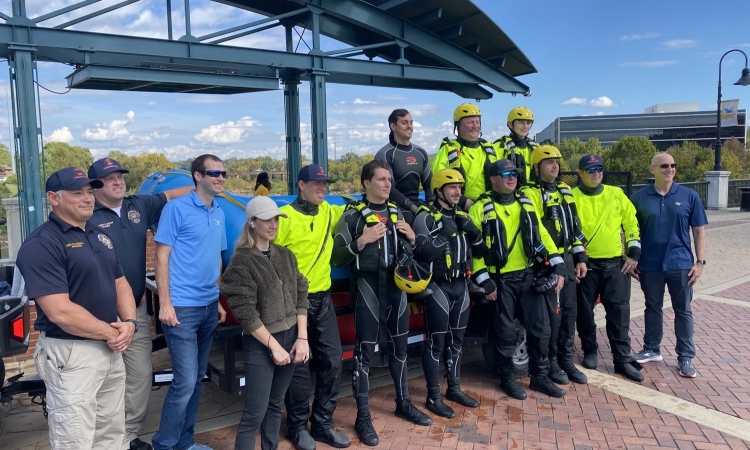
(593, 57)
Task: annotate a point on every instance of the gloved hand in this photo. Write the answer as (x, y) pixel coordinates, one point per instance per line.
(466, 225)
(449, 227)
(489, 286)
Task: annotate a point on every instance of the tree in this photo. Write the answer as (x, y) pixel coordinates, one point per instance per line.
(631, 154)
(689, 156)
(741, 152)
(139, 167)
(4, 156)
(573, 149)
(58, 155)
(729, 161)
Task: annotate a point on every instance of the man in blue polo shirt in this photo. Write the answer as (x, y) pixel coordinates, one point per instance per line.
(666, 213)
(72, 273)
(126, 220)
(189, 242)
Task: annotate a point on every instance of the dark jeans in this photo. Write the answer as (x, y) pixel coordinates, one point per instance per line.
(605, 280)
(189, 344)
(514, 292)
(265, 385)
(325, 345)
(676, 281)
(563, 323)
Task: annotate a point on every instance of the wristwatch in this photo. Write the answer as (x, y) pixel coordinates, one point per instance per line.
(701, 261)
(134, 322)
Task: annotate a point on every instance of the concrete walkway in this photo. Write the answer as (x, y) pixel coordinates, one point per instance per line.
(665, 411)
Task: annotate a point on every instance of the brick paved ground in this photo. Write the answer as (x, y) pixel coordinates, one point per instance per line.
(739, 292)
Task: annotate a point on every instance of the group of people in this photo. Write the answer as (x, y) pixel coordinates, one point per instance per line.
(494, 221)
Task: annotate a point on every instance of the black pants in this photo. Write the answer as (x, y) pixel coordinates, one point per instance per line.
(605, 280)
(514, 293)
(563, 322)
(325, 345)
(265, 385)
(446, 314)
(367, 326)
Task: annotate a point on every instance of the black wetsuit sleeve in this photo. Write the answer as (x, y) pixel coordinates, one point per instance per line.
(345, 239)
(431, 244)
(427, 178)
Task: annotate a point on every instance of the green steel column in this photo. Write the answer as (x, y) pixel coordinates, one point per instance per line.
(318, 117)
(293, 143)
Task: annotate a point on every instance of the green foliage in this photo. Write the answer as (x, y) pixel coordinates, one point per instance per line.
(347, 171)
(139, 166)
(573, 149)
(58, 155)
(689, 156)
(11, 180)
(742, 153)
(4, 156)
(631, 154)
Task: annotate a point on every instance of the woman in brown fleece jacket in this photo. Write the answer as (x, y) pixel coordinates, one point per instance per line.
(268, 296)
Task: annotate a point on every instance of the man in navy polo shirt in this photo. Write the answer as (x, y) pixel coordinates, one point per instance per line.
(72, 273)
(189, 242)
(666, 213)
(126, 220)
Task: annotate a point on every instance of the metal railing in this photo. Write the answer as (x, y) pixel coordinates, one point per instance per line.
(734, 192)
(701, 187)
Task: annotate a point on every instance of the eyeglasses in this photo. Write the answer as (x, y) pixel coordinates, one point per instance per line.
(215, 173)
(509, 175)
(598, 169)
(668, 166)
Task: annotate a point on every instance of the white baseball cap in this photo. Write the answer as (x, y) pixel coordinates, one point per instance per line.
(263, 208)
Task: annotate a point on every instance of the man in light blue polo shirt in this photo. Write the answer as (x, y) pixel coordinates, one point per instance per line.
(189, 242)
(666, 213)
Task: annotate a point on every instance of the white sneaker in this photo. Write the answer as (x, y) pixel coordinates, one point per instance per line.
(647, 356)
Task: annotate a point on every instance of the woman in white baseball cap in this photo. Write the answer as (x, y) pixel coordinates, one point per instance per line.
(268, 296)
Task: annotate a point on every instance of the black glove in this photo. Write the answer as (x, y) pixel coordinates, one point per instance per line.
(466, 225)
(489, 287)
(449, 227)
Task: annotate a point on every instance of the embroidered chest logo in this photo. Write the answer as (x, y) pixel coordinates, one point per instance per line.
(104, 239)
(382, 219)
(217, 222)
(410, 160)
(134, 216)
(677, 203)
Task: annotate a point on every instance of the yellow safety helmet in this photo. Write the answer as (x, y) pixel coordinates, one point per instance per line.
(412, 277)
(466, 110)
(520, 113)
(445, 176)
(543, 152)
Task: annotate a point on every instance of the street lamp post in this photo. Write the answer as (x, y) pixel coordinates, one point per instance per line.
(743, 81)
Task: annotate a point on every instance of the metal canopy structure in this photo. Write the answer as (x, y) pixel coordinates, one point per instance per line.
(443, 45)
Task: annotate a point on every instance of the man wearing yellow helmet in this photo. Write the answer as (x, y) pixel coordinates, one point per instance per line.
(468, 153)
(446, 239)
(517, 146)
(517, 246)
(371, 237)
(556, 207)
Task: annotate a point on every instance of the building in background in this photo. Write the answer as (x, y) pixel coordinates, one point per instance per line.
(664, 125)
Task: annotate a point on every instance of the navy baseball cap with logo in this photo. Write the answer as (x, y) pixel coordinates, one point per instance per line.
(502, 165)
(313, 172)
(70, 179)
(589, 161)
(104, 167)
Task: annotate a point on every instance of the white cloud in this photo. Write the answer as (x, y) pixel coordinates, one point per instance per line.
(602, 102)
(676, 44)
(226, 133)
(650, 64)
(61, 135)
(638, 37)
(600, 113)
(575, 101)
(108, 132)
(359, 101)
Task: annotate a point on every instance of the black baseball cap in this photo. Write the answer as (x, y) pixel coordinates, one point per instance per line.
(502, 165)
(70, 179)
(313, 172)
(104, 167)
(589, 161)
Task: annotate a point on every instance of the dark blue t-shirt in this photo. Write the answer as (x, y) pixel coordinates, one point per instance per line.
(665, 223)
(59, 258)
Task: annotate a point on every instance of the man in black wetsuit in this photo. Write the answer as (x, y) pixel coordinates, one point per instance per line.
(408, 164)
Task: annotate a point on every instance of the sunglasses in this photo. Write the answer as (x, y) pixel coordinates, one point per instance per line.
(215, 173)
(668, 166)
(598, 169)
(509, 175)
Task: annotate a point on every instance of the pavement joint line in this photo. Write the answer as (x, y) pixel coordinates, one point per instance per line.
(701, 415)
(726, 301)
(724, 286)
(728, 226)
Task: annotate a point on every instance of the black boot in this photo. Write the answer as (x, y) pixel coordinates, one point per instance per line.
(556, 374)
(575, 375)
(436, 405)
(629, 370)
(589, 361)
(365, 430)
(454, 394)
(542, 383)
(406, 410)
(510, 386)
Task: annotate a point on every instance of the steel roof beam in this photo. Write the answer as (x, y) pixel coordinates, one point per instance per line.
(429, 16)
(62, 11)
(388, 4)
(95, 14)
(254, 24)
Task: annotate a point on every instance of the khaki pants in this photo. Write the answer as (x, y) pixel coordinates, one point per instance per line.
(137, 359)
(85, 384)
